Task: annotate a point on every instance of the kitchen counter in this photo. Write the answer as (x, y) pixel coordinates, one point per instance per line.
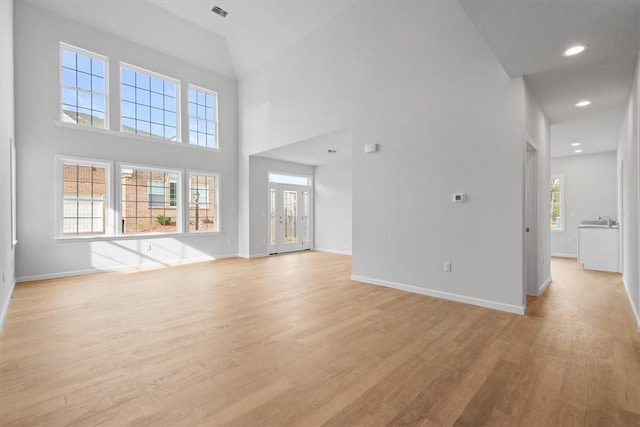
(598, 247)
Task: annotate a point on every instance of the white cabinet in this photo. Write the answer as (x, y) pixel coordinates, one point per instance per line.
(598, 248)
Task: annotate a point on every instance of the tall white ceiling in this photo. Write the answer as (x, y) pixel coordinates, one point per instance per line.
(257, 30)
(526, 36)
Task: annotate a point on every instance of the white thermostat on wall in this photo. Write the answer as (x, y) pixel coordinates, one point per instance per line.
(459, 197)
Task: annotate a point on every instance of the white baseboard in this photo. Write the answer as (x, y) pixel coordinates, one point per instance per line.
(544, 286)
(634, 309)
(58, 275)
(563, 255)
(5, 306)
(444, 295)
(333, 251)
(253, 256)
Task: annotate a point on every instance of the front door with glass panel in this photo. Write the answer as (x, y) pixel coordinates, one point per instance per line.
(289, 218)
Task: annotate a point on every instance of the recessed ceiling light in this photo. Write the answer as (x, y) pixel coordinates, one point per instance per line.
(575, 144)
(574, 50)
(331, 151)
(220, 11)
(577, 151)
(583, 103)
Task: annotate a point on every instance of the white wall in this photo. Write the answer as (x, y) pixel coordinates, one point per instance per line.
(7, 256)
(590, 190)
(333, 207)
(419, 81)
(260, 168)
(39, 138)
(538, 135)
(629, 188)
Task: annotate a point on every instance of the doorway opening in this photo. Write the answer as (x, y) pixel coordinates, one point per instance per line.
(290, 213)
(530, 223)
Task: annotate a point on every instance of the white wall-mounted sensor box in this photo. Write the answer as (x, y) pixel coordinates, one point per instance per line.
(459, 197)
(370, 148)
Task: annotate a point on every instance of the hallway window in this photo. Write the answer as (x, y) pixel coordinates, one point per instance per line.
(83, 80)
(557, 202)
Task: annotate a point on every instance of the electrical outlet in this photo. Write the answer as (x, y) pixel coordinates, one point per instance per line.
(447, 266)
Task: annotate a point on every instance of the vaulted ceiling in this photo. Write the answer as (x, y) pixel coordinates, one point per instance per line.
(527, 37)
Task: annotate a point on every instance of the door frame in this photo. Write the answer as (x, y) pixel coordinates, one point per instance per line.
(278, 246)
(531, 220)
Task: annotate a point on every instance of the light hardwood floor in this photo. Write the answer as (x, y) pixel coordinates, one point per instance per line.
(290, 340)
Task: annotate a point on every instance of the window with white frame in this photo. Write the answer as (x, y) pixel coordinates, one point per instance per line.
(203, 117)
(146, 200)
(557, 203)
(83, 87)
(83, 207)
(149, 104)
(203, 202)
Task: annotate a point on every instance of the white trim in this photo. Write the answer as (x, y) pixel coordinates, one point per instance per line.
(332, 251)
(444, 295)
(5, 307)
(564, 255)
(122, 268)
(634, 309)
(121, 134)
(544, 286)
(252, 256)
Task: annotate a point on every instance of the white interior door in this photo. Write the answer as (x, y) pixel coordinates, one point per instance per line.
(289, 218)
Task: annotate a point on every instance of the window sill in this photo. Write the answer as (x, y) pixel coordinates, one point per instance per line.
(556, 230)
(134, 137)
(133, 236)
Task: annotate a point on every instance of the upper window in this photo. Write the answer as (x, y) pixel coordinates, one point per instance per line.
(203, 202)
(149, 105)
(203, 117)
(84, 187)
(557, 203)
(150, 200)
(83, 78)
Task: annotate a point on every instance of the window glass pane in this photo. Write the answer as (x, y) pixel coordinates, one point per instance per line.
(289, 179)
(68, 77)
(154, 111)
(556, 215)
(86, 73)
(142, 81)
(84, 190)
(150, 199)
(128, 77)
(202, 203)
(69, 59)
(202, 118)
(84, 63)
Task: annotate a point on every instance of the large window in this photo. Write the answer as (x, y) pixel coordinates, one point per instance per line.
(146, 200)
(203, 123)
(83, 78)
(203, 202)
(557, 203)
(149, 105)
(85, 197)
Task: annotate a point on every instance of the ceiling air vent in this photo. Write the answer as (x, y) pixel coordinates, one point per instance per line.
(220, 11)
